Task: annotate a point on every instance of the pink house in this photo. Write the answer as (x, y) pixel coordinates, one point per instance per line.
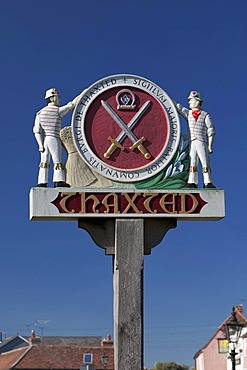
(214, 354)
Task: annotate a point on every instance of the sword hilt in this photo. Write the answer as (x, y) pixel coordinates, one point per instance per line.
(141, 148)
(113, 147)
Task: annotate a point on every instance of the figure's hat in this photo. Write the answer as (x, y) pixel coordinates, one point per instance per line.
(51, 92)
(195, 95)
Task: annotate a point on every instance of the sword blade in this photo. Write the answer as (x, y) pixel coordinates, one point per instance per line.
(119, 121)
(134, 121)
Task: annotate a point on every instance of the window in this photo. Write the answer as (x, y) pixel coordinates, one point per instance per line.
(87, 358)
(222, 345)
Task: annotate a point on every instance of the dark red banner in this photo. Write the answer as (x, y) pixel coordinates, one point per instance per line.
(129, 203)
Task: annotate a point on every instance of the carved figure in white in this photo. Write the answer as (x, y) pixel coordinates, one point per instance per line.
(202, 132)
(46, 129)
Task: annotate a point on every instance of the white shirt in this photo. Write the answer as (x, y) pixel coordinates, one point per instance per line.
(49, 119)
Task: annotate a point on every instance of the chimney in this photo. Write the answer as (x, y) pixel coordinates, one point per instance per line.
(107, 342)
(34, 341)
(240, 307)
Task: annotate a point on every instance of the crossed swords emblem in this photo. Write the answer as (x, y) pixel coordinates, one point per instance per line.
(126, 131)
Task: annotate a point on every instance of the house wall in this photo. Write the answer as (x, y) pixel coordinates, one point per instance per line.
(210, 358)
(245, 353)
(213, 360)
(200, 362)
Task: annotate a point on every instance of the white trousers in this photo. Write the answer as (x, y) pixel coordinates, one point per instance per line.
(53, 149)
(199, 151)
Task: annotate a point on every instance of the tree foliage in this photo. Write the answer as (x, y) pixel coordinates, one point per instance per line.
(169, 366)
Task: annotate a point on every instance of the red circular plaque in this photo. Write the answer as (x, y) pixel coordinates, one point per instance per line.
(126, 128)
(99, 125)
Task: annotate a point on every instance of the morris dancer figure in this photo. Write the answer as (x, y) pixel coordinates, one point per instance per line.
(202, 131)
(46, 129)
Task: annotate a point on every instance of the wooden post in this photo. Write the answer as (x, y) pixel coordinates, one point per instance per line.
(128, 294)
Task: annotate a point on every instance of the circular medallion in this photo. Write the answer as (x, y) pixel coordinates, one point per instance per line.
(124, 126)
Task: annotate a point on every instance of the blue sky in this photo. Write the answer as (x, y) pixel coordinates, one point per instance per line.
(52, 270)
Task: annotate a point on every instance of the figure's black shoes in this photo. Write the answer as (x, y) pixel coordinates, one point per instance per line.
(61, 184)
(191, 185)
(210, 185)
